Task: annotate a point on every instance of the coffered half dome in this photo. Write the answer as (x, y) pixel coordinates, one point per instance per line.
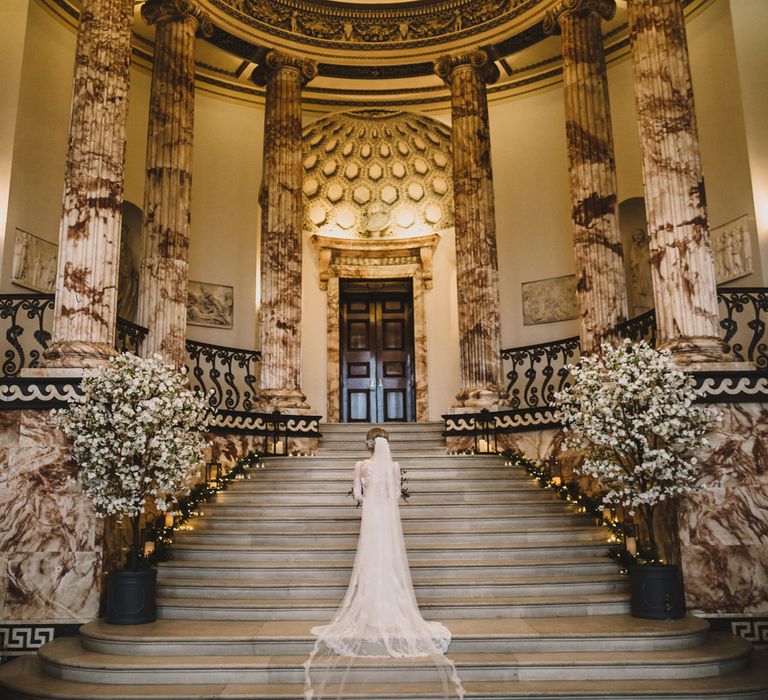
(376, 174)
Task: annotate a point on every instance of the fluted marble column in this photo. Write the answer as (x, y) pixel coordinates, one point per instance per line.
(475, 224)
(600, 280)
(89, 239)
(675, 202)
(168, 185)
(281, 222)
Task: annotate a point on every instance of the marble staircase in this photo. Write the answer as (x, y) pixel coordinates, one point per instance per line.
(536, 609)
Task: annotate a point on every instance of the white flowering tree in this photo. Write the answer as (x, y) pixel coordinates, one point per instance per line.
(137, 435)
(635, 416)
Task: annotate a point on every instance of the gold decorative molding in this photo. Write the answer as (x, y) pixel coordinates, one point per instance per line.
(156, 11)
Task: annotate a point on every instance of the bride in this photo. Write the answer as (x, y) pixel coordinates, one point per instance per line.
(379, 618)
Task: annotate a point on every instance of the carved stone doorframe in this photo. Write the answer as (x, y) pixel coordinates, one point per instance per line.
(345, 258)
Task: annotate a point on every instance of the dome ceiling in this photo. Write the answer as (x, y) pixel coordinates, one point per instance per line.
(376, 54)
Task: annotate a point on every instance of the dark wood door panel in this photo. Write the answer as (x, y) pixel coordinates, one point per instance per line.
(377, 356)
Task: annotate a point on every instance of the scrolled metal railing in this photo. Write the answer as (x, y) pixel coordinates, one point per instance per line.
(538, 371)
(227, 374)
(746, 341)
(129, 336)
(27, 333)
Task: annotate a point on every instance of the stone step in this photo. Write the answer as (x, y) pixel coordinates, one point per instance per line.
(301, 481)
(392, 428)
(427, 475)
(24, 680)
(310, 550)
(412, 509)
(464, 607)
(721, 654)
(422, 570)
(245, 552)
(504, 635)
(426, 591)
(406, 460)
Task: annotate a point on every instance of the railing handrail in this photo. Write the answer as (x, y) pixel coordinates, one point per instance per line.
(27, 295)
(226, 348)
(533, 346)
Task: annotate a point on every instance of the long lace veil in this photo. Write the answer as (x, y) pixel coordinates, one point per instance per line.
(377, 640)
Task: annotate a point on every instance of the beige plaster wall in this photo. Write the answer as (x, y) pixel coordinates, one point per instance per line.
(749, 19)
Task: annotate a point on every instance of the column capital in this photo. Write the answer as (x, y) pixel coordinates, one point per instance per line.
(479, 60)
(158, 11)
(566, 9)
(274, 61)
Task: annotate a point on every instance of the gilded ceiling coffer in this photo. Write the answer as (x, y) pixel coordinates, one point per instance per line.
(168, 184)
(475, 224)
(600, 279)
(281, 224)
(89, 239)
(675, 202)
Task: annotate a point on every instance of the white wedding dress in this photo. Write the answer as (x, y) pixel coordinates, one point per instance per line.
(379, 617)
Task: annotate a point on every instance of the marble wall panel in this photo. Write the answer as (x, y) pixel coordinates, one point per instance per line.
(56, 586)
(49, 535)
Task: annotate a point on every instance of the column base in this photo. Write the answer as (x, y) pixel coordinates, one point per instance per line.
(77, 354)
(494, 398)
(290, 400)
(696, 350)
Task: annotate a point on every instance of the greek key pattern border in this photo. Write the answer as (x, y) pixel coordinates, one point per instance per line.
(753, 629)
(27, 638)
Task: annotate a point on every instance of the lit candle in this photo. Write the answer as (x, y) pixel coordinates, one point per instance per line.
(632, 546)
(607, 515)
(279, 447)
(169, 517)
(557, 480)
(482, 445)
(149, 548)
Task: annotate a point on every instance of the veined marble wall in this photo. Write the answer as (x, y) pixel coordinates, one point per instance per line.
(722, 540)
(50, 538)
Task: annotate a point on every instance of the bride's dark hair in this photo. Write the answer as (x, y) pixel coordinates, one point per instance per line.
(373, 433)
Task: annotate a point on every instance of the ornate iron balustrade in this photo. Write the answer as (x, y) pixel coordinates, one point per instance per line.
(538, 371)
(227, 374)
(27, 331)
(746, 341)
(129, 336)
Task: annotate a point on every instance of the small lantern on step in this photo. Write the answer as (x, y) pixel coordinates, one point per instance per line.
(276, 438)
(630, 532)
(485, 433)
(148, 538)
(214, 473)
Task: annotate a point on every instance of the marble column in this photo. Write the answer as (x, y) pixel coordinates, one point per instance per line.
(600, 280)
(475, 225)
(168, 185)
(89, 239)
(283, 77)
(675, 202)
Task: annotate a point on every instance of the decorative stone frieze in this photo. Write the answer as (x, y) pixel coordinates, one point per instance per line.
(600, 280)
(675, 200)
(168, 185)
(281, 207)
(476, 260)
(89, 240)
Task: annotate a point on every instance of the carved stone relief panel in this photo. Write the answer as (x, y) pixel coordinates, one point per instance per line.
(732, 250)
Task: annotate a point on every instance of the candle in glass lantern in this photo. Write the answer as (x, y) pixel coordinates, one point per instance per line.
(169, 517)
(149, 548)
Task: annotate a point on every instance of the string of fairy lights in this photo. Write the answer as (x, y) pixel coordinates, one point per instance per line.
(159, 535)
(622, 535)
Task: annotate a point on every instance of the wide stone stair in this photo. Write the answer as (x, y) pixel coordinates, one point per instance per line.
(535, 608)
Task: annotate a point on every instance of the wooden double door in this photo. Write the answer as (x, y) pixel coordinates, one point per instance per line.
(377, 382)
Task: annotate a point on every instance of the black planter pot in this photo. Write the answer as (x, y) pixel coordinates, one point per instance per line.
(657, 591)
(131, 597)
